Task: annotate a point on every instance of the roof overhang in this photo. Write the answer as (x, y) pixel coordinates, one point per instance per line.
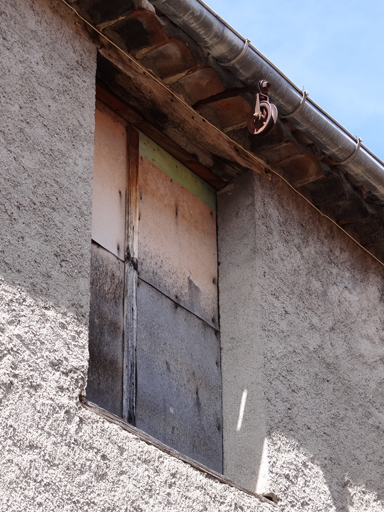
(153, 74)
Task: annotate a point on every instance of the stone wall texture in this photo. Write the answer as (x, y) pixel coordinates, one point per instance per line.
(55, 455)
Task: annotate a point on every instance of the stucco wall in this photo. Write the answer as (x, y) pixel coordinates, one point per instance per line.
(301, 314)
(317, 353)
(241, 356)
(55, 455)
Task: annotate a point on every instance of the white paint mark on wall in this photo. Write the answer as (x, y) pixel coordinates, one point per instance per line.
(262, 484)
(242, 408)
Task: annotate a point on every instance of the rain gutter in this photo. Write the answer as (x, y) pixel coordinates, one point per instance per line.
(232, 50)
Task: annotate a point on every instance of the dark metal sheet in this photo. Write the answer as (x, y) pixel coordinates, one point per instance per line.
(178, 378)
(106, 324)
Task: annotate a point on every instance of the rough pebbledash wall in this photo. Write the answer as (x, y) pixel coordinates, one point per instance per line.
(301, 314)
(322, 319)
(302, 323)
(55, 455)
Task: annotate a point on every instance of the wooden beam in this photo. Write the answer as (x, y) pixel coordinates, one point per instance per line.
(135, 119)
(131, 276)
(153, 95)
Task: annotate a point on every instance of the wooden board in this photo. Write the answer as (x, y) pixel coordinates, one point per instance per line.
(130, 300)
(105, 374)
(171, 320)
(177, 242)
(177, 171)
(178, 378)
(109, 184)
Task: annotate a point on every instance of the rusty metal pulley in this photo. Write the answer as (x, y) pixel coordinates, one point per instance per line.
(265, 115)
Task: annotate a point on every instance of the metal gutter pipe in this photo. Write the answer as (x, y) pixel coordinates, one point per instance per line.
(233, 51)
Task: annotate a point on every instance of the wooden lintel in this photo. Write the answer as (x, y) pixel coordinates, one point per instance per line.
(136, 120)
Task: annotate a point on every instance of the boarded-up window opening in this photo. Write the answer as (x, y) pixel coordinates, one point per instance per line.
(154, 338)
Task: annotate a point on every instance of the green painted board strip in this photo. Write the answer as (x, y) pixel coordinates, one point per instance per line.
(177, 171)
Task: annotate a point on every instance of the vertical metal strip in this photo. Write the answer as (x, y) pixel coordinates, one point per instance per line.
(131, 275)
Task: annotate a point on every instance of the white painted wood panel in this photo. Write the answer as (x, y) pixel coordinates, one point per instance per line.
(177, 242)
(109, 184)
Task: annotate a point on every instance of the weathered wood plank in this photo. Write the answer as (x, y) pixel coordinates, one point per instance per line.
(178, 172)
(130, 295)
(153, 94)
(109, 183)
(121, 85)
(177, 242)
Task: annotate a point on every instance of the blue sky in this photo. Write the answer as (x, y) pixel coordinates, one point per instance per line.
(334, 49)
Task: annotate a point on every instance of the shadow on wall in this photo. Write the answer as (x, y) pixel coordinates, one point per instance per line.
(56, 275)
(322, 324)
(46, 154)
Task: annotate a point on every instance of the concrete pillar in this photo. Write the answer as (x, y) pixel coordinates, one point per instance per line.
(241, 344)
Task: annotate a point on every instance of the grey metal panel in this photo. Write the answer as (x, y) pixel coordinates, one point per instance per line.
(177, 242)
(106, 324)
(178, 378)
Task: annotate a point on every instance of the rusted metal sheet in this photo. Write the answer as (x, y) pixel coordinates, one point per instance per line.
(106, 325)
(178, 378)
(177, 242)
(109, 184)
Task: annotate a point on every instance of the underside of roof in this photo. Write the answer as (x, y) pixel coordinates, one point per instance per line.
(164, 83)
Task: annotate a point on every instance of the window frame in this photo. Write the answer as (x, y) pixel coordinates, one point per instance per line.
(131, 275)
